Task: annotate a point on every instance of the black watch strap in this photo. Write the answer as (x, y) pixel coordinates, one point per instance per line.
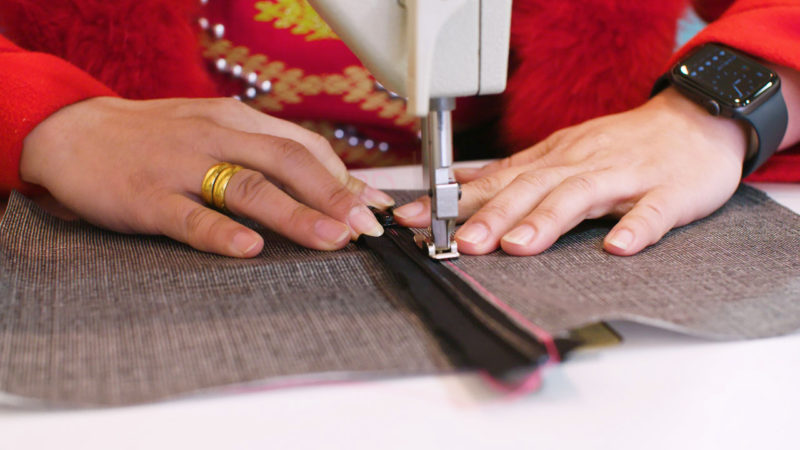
(768, 122)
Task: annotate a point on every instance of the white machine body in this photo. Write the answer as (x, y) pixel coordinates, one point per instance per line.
(429, 51)
(425, 49)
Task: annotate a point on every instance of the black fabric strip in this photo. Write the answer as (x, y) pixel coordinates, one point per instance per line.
(480, 336)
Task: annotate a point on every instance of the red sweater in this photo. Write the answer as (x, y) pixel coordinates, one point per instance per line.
(77, 49)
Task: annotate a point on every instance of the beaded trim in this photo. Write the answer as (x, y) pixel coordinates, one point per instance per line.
(255, 86)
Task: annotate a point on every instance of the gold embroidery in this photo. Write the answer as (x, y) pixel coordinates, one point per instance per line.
(290, 85)
(296, 15)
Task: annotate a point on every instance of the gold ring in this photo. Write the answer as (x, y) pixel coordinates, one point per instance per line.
(207, 188)
(215, 182)
(221, 184)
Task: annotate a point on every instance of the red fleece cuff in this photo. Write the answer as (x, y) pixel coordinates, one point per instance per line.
(32, 87)
(770, 33)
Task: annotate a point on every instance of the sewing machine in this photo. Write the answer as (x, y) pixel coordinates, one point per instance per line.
(430, 52)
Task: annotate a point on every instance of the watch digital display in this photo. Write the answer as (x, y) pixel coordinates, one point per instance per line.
(729, 78)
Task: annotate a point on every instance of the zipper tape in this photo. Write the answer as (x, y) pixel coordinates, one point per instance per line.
(475, 334)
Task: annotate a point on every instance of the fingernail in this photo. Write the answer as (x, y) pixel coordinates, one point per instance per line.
(410, 210)
(362, 221)
(621, 239)
(244, 242)
(522, 235)
(331, 231)
(475, 233)
(377, 198)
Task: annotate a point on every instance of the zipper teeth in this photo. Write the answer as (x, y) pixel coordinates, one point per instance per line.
(466, 296)
(476, 334)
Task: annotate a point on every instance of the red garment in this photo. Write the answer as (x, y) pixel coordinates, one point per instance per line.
(34, 85)
(149, 49)
(770, 30)
(317, 81)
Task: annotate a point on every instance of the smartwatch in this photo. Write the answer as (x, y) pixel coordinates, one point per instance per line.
(730, 84)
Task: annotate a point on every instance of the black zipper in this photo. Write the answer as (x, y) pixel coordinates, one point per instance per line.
(475, 333)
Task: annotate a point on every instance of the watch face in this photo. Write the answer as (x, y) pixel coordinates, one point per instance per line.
(728, 77)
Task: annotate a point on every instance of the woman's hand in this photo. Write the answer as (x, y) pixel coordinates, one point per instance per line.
(660, 166)
(137, 167)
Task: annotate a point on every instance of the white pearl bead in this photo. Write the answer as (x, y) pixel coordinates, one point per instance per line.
(218, 31)
(250, 93)
(236, 71)
(236, 97)
(352, 141)
(203, 22)
(338, 133)
(221, 65)
(266, 86)
(369, 144)
(383, 146)
(251, 78)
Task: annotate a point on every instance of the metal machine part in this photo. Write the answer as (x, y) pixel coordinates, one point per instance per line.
(429, 51)
(438, 179)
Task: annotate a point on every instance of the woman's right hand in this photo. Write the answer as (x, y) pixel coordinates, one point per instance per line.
(137, 167)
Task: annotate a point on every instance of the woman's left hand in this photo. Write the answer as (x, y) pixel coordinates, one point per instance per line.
(659, 166)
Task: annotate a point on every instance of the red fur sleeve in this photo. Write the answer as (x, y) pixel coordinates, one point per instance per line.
(575, 60)
(710, 10)
(770, 30)
(33, 86)
(138, 48)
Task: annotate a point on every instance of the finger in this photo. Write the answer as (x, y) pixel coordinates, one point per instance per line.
(467, 175)
(482, 232)
(206, 230)
(579, 197)
(525, 157)
(303, 176)
(645, 224)
(416, 214)
(474, 195)
(368, 194)
(236, 115)
(250, 195)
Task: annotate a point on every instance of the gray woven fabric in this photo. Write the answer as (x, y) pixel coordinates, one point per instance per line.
(733, 275)
(92, 317)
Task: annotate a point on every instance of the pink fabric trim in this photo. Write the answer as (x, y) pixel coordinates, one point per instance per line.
(532, 382)
(541, 334)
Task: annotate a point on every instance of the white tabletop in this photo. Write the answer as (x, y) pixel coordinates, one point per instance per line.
(655, 390)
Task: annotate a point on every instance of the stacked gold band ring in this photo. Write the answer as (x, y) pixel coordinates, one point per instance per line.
(216, 182)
